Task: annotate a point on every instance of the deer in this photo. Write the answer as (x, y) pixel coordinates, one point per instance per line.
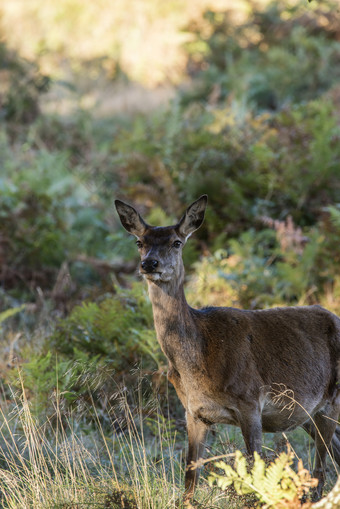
(268, 370)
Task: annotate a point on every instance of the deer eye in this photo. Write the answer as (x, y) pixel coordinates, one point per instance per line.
(139, 244)
(177, 244)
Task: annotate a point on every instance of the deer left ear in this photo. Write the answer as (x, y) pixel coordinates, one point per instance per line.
(193, 217)
(130, 219)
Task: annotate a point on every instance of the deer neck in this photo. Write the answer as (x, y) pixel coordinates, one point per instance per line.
(174, 323)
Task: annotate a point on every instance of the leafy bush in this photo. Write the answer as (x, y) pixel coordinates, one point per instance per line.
(96, 346)
(22, 83)
(273, 266)
(273, 165)
(267, 274)
(50, 379)
(118, 327)
(46, 218)
(281, 53)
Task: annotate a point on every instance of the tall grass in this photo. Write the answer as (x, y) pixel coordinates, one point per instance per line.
(62, 461)
(70, 460)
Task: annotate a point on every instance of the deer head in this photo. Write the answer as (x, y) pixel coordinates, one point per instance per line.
(160, 247)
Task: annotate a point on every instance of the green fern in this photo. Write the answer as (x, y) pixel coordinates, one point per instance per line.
(272, 485)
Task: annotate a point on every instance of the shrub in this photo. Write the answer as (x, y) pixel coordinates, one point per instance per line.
(90, 353)
(280, 54)
(268, 165)
(117, 327)
(278, 265)
(46, 218)
(22, 83)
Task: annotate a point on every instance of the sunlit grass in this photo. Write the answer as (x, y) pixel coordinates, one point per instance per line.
(64, 462)
(135, 462)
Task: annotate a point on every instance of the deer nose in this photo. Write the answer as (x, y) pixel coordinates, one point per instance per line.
(149, 265)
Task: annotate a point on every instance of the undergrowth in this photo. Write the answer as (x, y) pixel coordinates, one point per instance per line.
(136, 460)
(60, 461)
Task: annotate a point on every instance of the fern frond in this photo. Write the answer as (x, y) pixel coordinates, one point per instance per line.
(241, 465)
(276, 485)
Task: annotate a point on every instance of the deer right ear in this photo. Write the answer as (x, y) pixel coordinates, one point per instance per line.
(130, 219)
(193, 217)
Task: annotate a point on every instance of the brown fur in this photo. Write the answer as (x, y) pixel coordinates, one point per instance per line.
(264, 371)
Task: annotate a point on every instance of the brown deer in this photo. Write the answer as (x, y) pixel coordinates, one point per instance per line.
(264, 371)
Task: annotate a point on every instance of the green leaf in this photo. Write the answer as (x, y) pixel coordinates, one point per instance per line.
(10, 312)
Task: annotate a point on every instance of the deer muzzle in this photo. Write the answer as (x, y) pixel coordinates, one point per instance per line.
(149, 266)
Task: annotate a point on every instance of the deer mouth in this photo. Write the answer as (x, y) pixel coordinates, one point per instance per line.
(150, 274)
(156, 276)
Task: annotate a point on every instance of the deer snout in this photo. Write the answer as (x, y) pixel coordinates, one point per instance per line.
(149, 265)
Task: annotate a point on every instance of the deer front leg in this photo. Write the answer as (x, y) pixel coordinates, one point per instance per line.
(251, 427)
(197, 431)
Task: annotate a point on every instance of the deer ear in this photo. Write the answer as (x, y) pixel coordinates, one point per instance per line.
(193, 217)
(130, 218)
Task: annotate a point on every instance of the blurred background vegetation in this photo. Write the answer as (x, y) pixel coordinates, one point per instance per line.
(156, 104)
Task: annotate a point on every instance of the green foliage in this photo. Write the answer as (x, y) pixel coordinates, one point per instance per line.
(273, 266)
(274, 485)
(49, 378)
(22, 83)
(328, 261)
(4, 315)
(262, 66)
(118, 327)
(267, 273)
(61, 173)
(248, 168)
(46, 217)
